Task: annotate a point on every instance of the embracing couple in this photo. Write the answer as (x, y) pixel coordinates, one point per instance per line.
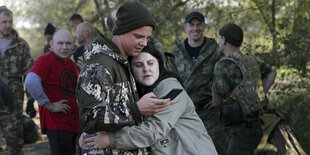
(122, 95)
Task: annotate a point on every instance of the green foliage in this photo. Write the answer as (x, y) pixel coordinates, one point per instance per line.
(296, 51)
(297, 109)
(280, 39)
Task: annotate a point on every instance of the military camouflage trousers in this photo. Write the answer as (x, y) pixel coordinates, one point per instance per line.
(19, 125)
(8, 126)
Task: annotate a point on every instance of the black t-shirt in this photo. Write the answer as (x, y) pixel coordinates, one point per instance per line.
(193, 51)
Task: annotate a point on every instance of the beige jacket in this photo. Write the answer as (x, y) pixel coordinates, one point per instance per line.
(175, 131)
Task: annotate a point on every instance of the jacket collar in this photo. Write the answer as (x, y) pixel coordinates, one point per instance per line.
(14, 39)
(106, 47)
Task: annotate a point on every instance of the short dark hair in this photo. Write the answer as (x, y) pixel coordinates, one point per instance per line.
(76, 17)
(233, 34)
(49, 29)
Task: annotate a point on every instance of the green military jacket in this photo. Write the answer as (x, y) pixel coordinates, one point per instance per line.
(14, 65)
(240, 97)
(250, 92)
(197, 77)
(227, 76)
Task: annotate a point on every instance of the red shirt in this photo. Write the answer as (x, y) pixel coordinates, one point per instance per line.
(58, 79)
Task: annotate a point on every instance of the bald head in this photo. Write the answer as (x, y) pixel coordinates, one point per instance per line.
(85, 27)
(62, 44)
(85, 33)
(62, 32)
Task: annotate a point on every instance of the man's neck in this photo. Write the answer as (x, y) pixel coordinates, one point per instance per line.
(230, 49)
(116, 41)
(5, 37)
(87, 43)
(195, 43)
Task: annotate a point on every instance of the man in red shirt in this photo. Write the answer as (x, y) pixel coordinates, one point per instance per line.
(52, 81)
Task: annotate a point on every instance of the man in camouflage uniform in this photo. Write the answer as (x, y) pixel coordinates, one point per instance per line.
(239, 89)
(194, 60)
(15, 61)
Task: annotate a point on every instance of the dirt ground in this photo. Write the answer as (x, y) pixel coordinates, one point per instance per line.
(39, 148)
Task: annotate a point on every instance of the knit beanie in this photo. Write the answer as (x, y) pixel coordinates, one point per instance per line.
(233, 34)
(49, 29)
(131, 16)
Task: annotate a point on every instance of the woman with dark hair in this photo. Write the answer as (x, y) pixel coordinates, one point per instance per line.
(177, 130)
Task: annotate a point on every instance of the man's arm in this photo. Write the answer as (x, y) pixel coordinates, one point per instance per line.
(26, 63)
(34, 87)
(6, 96)
(216, 100)
(269, 80)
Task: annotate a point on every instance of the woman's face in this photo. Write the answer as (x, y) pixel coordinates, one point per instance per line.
(145, 69)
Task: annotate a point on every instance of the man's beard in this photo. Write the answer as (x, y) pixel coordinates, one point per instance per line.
(81, 42)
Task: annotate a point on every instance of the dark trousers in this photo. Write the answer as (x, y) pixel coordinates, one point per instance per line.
(62, 142)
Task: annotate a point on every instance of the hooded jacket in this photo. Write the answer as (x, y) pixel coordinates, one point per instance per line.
(106, 91)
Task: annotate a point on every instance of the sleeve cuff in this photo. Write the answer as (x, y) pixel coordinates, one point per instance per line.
(112, 139)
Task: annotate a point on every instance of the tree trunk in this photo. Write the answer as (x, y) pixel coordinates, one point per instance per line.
(101, 15)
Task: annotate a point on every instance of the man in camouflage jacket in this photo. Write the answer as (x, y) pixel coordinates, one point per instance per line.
(106, 89)
(15, 61)
(194, 61)
(239, 88)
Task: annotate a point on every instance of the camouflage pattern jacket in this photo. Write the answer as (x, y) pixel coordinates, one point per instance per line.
(106, 90)
(14, 65)
(106, 93)
(249, 93)
(197, 77)
(229, 78)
